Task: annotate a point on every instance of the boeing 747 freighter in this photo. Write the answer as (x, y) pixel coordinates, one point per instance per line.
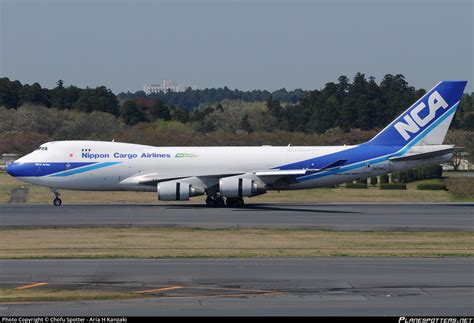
(228, 174)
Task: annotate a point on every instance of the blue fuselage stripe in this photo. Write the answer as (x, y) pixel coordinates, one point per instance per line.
(85, 169)
(54, 169)
(396, 151)
(42, 168)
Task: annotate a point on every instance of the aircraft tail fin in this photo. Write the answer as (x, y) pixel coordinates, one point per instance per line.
(427, 120)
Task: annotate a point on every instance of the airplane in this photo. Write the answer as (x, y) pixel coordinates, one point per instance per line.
(228, 174)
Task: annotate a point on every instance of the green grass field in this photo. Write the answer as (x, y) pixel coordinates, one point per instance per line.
(460, 189)
(9, 295)
(227, 243)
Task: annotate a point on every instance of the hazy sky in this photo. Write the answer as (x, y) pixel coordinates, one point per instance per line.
(239, 44)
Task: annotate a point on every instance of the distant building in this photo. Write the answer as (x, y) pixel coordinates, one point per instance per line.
(460, 158)
(165, 86)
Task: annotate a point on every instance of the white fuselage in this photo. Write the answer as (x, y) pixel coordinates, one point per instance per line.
(121, 166)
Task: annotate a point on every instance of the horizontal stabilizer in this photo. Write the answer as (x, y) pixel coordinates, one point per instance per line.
(426, 155)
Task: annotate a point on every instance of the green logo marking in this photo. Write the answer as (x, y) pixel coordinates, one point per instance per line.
(185, 155)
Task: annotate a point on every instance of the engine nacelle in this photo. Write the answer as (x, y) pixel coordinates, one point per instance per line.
(240, 187)
(177, 191)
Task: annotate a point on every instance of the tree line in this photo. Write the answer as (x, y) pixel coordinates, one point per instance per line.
(25, 128)
(362, 104)
(358, 104)
(190, 99)
(13, 94)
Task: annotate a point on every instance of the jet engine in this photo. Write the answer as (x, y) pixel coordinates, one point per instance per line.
(240, 187)
(177, 191)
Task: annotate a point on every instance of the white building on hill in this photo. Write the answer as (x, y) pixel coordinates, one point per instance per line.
(165, 86)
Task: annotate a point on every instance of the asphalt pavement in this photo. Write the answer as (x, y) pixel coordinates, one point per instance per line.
(288, 286)
(429, 217)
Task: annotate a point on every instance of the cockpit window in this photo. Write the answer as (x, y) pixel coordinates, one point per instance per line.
(41, 148)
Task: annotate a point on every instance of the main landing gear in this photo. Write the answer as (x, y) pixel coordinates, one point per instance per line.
(57, 200)
(235, 202)
(219, 201)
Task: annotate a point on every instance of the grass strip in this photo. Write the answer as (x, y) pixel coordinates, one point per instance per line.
(82, 243)
(8, 295)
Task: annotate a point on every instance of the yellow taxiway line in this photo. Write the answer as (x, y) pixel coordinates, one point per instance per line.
(31, 286)
(164, 289)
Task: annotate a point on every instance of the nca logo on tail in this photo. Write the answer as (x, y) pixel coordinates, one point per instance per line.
(413, 119)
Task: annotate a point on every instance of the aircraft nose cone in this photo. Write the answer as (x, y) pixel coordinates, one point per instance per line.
(11, 169)
(21, 169)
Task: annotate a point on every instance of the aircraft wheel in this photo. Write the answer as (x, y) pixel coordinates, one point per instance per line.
(239, 202)
(211, 202)
(230, 202)
(57, 202)
(220, 202)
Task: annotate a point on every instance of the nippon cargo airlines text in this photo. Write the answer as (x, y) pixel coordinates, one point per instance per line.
(118, 155)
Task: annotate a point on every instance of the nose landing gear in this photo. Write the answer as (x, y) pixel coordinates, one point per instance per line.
(57, 200)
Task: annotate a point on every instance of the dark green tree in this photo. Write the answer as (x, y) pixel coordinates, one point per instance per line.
(397, 96)
(245, 123)
(161, 111)
(325, 109)
(180, 115)
(275, 109)
(464, 116)
(59, 96)
(131, 113)
(9, 93)
(98, 99)
(34, 94)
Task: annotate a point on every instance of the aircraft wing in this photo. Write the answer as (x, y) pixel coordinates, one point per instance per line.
(281, 173)
(154, 179)
(204, 181)
(147, 179)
